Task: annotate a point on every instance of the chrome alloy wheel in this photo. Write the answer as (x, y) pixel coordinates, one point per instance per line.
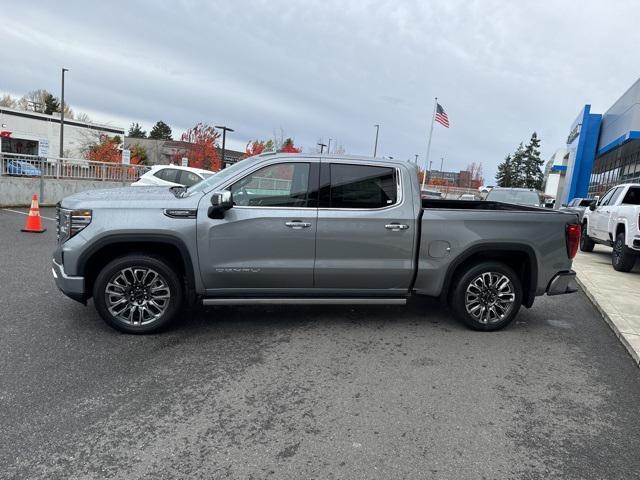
(489, 297)
(137, 295)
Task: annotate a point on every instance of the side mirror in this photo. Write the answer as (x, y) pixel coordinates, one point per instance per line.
(220, 203)
(593, 205)
(565, 204)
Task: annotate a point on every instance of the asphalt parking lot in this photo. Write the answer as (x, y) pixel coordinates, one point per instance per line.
(292, 392)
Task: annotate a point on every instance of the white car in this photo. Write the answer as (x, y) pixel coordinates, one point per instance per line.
(171, 176)
(614, 220)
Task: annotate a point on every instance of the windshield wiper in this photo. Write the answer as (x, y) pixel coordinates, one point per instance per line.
(178, 190)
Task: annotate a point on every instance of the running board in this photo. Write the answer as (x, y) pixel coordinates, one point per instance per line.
(304, 301)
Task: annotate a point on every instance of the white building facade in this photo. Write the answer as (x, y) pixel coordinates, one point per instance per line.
(31, 133)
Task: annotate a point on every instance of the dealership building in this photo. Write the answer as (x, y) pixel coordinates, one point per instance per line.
(603, 150)
(32, 133)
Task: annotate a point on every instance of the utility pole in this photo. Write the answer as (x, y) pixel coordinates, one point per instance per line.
(416, 158)
(441, 167)
(62, 115)
(375, 145)
(322, 145)
(224, 139)
(430, 162)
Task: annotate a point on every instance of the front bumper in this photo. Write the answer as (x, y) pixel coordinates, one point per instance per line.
(563, 282)
(72, 287)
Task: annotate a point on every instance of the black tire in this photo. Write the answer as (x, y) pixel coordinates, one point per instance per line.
(469, 282)
(622, 258)
(150, 301)
(586, 243)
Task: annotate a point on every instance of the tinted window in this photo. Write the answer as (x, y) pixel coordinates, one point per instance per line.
(632, 197)
(585, 202)
(521, 197)
(361, 186)
(188, 178)
(168, 174)
(279, 185)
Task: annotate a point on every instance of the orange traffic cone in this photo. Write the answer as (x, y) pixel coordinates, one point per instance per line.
(34, 221)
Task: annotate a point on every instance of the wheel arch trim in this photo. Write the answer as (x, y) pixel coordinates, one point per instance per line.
(143, 239)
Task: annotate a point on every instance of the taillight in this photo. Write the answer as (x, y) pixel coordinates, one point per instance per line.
(573, 239)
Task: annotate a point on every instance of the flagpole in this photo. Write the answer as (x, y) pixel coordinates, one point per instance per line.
(426, 160)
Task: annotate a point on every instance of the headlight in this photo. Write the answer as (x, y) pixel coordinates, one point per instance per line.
(71, 222)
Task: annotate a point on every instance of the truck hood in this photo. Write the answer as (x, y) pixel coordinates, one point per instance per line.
(130, 197)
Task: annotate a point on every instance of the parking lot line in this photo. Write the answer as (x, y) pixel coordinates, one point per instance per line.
(27, 213)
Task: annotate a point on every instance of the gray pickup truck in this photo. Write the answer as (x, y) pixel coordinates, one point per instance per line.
(307, 229)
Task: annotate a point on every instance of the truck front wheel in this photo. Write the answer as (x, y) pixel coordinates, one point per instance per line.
(487, 296)
(622, 258)
(137, 293)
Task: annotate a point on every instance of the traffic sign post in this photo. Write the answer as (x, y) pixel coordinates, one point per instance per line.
(126, 157)
(185, 162)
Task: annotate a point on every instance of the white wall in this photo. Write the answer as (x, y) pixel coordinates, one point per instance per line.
(17, 192)
(40, 126)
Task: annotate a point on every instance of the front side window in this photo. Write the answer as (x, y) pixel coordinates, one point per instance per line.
(611, 197)
(278, 185)
(360, 186)
(605, 200)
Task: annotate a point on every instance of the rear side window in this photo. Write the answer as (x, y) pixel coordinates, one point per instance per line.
(632, 197)
(359, 186)
(188, 178)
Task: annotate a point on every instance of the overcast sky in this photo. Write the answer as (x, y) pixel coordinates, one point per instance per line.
(332, 69)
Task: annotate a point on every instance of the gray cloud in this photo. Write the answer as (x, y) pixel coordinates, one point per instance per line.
(333, 68)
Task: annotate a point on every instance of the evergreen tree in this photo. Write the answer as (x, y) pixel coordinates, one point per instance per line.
(504, 177)
(160, 131)
(517, 167)
(135, 131)
(51, 104)
(532, 175)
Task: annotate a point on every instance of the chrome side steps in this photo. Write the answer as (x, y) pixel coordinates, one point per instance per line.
(304, 301)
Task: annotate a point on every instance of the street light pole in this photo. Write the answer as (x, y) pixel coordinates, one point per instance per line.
(224, 139)
(375, 146)
(416, 158)
(430, 162)
(62, 115)
(329, 146)
(321, 145)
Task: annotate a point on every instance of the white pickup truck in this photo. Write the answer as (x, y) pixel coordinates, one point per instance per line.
(614, 221)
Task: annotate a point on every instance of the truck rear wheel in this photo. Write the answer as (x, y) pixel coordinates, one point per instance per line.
(487, 296)
(137, 293)
(622, 258)
(586, 243)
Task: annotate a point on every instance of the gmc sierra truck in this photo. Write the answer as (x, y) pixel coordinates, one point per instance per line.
(614, 220)
(307, 229)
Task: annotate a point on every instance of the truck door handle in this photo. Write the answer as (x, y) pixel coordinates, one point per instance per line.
(396, 227)
(297, 224)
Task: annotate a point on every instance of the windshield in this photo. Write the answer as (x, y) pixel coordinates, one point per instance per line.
(214, 178)
(521, 197)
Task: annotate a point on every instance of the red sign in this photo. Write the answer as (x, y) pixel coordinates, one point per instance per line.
(5, 134)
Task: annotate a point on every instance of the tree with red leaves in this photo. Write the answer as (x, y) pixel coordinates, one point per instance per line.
(289, 147)
(108, 150)
(201, 147)
(256, 147)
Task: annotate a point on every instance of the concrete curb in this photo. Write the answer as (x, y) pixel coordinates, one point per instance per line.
(634, 354)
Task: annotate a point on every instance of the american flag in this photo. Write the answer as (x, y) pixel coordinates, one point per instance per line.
(441, 116)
